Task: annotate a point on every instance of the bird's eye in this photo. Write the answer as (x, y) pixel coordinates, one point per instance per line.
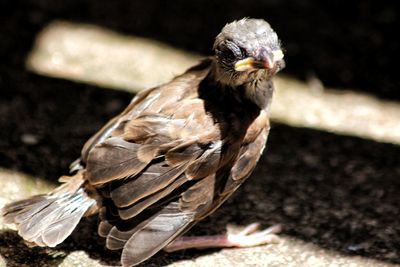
(225, 54)
(243, 52)
(236, 50)
(228, 53)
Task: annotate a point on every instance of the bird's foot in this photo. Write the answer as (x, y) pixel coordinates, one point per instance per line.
(249, 236)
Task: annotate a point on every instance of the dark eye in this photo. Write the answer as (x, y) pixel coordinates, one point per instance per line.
(228, 53)
(234, 50)
(243, 52)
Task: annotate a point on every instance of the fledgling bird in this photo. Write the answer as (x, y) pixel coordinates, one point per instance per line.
(171, 158)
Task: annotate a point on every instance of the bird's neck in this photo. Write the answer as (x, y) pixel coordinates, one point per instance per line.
(257, 89)
(259, 92)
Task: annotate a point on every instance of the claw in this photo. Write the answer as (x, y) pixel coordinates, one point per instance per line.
(251, 228)
(250, 237)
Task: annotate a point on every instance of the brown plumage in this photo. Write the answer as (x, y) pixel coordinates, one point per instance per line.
(171, 157)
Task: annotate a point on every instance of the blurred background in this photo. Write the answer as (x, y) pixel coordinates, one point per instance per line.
(328, 187)
(345, 44)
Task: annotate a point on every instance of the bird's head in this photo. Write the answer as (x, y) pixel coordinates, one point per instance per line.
(247, 50)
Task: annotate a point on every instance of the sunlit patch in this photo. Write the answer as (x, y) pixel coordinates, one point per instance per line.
(96, 55)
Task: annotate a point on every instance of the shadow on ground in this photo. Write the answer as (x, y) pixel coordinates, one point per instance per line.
(336, 191)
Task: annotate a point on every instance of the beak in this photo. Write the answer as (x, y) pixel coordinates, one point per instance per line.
(265, 60)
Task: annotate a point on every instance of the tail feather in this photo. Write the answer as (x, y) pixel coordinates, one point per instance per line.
(47, 220)
(18, 211)
(60, 229)
(32, 227)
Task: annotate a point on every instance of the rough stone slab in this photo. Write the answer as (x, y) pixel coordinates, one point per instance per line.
(88, 53)
(95, 55)
(79, 259)
(337, 111)
(2, 262)
(289, 253)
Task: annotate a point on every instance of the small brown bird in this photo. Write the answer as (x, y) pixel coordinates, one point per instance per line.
(171, 158)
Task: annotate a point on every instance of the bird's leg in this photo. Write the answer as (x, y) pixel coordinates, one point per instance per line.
(248, 237)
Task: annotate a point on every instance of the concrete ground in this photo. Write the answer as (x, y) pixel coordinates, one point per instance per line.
(329, 174)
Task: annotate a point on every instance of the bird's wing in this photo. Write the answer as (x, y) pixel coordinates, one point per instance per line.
(155, 165)
(145, 237)
(150, 100)
(250, 152)
(168, 122)
(168, 223)
(161, 167)
(112, 125)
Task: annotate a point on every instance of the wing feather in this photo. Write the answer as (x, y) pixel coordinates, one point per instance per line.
(155, 234)
(114, 159)
(135, 209)
(154, 178)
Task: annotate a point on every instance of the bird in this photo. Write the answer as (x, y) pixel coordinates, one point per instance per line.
(171, 157)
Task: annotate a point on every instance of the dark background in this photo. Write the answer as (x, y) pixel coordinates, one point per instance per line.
(344, 43)
(336, 191)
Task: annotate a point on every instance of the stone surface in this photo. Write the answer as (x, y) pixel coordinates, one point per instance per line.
(93, 54)
(79, 259)
(289, 253)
